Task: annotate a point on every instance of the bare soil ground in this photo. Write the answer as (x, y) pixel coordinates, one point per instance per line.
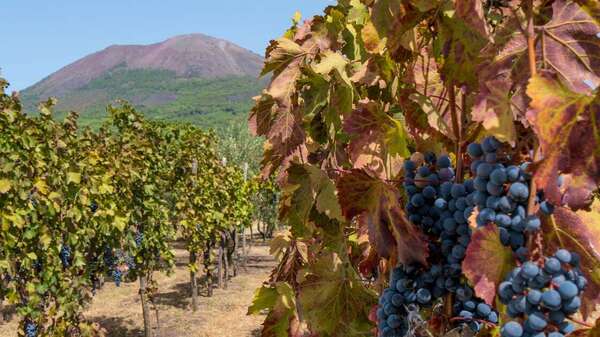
(119, 312)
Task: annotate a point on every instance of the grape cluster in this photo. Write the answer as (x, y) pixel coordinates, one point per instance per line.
(422, 178)
(120, 263)
(442, 208)
(409, 286)
(65, 256)
(117, 275)
(31, 329)
(543, 296)
(502, 194)
(139, 238)
(93, 207)
(473, 310)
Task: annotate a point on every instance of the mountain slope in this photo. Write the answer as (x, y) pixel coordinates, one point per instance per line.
(193, 77)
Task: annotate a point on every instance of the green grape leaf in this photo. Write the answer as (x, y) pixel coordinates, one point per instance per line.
(376, 204)
(566, 124)
(309, 188)
(333, 298)
(487, 262)
(279, 301)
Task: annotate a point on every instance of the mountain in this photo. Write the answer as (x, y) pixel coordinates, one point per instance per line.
(194, 77)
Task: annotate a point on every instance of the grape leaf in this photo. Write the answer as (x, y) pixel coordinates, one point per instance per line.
(308, 188)
(279, 300)
(377, 205)
(261, 115)
(569, 45)
(566, 124)
(578, 232)
(279, 54)
(378, 141)
(431, 95)
(390, 21)
(334, 299)
(461, 46)
(494, 109)
(487, 262)
(5, 185)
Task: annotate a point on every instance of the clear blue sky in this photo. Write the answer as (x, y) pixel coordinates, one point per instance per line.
(38, 37)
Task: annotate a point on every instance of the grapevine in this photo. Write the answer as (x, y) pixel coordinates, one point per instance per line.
(440, 156)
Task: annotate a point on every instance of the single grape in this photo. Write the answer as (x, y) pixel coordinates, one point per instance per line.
(552, 266)
(536, 321)
(493, 189)
(551, 299)
(546, 207)
(444, 161)
(518, 191)
(568, 290)
(474, 150)
(563, 255)
(511, 329)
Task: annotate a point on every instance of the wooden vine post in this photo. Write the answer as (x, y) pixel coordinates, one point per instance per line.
(194, 259)
(145, 308)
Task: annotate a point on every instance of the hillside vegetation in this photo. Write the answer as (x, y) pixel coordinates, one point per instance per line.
(159, 94)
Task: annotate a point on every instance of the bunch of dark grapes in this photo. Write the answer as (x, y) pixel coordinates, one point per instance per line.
(410, 287)
(93, 207)
(139, 238)
(65, 256)
(31, 329)
(543, 296)
(473, 310)
(117, 275)
(424, 176)
(502, 194)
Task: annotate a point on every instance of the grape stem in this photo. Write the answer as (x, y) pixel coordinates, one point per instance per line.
(482, 321)
(574, 320)
(457, 131)
(534, 239)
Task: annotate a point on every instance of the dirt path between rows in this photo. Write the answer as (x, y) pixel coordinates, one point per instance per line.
(118, 310)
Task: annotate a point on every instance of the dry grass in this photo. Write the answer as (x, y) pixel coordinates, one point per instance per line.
(118, 310)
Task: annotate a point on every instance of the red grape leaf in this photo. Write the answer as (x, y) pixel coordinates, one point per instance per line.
(570, 46)
(261, 115)
(567, 125)
(431, 95)
(377, 205)
(494, 109)
(578, 232)
(378, 141)
(334, 299)
(471, 11)
(279, 54)
(487, 262)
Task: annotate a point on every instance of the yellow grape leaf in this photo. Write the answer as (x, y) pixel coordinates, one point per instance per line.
(45, 240)
(5, 185)
(120, 222)
(73, 177)
(41, 186)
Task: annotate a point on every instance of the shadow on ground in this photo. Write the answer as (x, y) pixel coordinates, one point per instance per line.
(118, 327)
